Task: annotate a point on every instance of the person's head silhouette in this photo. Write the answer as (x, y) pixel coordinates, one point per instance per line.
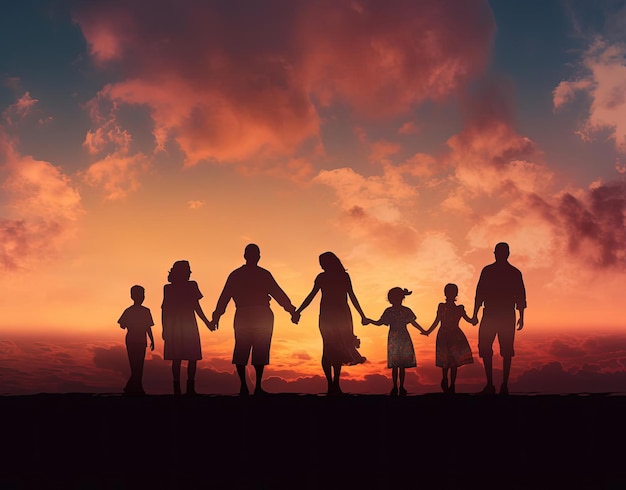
(179, 272)
(329, 262)
(396, 295)
(137, 294)
(451, 291)
(252, 254)
(501, 252)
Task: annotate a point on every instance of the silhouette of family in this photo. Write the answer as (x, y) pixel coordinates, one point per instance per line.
(500, 292)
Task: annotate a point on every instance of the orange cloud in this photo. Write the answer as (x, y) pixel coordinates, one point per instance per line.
(40, 208)
(244, 84)
(117, 170)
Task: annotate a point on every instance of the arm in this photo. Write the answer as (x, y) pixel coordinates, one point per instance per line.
(419, 327)
(378, 322)
(478, 299)
(355, 302)
(163, 315)
(198, 309)
(280, 296)
(435, 322)
(521, 302)
(464, 316)
(222, 302)
(520, 322)
(149, 331)
(308, 299)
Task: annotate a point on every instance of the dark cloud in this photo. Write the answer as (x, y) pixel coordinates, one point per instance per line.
(597, 220)
(560, 349)
(552, 378)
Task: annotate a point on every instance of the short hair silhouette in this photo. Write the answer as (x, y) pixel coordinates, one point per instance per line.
(137, 292)
(451, 290)
(398, 293)
(252, 253)
(501, 251)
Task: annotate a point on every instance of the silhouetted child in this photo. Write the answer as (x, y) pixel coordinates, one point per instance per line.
(181, 303)
(137, 320)
(400, 352)
(453, 349)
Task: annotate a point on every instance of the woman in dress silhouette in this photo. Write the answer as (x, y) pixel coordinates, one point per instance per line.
(181, 303)
(335, 320)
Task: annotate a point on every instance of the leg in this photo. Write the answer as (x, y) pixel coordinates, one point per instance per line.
(241, 371)
(402, 377)
(489, 389)
(452, 387)
(506, 370)
(326, 366)
(444, 379)
(394, 379)
(191, 377)
(176, 375)
(486, 336)
(337, 371)
(259, 377)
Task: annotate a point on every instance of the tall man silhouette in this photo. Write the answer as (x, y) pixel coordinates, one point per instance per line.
(501, 291)
(252, 287)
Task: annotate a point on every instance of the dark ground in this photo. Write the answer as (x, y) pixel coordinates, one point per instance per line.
(80, 441)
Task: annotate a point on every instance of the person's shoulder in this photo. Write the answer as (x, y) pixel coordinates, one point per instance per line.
(128, 309)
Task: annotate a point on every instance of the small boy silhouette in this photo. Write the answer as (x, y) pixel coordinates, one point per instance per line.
(137, 321)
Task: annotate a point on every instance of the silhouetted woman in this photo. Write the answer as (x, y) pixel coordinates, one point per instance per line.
(335, 321)
(452, 348)
(181, 302)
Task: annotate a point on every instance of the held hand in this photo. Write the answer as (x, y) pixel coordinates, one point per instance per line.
(365, 321)
(474, 321)
(425, 332)
(295, 317)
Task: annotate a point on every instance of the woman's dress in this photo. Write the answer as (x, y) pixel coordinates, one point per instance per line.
(452, 347)
(335, 322)
(180, 327)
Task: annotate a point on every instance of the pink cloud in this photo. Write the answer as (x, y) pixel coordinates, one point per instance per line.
(245, 83)
(603, 82)
(19, 109)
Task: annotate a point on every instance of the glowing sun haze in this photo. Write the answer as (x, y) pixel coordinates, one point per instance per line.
(408, 137)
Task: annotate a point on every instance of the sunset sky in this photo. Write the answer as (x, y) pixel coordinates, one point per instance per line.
(408, 137)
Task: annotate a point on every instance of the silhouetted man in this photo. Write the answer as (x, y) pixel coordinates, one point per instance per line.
(252, 287)
(501, 291)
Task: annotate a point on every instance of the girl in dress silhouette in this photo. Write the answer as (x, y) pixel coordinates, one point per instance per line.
(400, 352)
(181, 303)
(453, 349)
(335, 320)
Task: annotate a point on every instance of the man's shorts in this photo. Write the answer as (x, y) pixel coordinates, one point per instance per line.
(253, 332)
(500, 324)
